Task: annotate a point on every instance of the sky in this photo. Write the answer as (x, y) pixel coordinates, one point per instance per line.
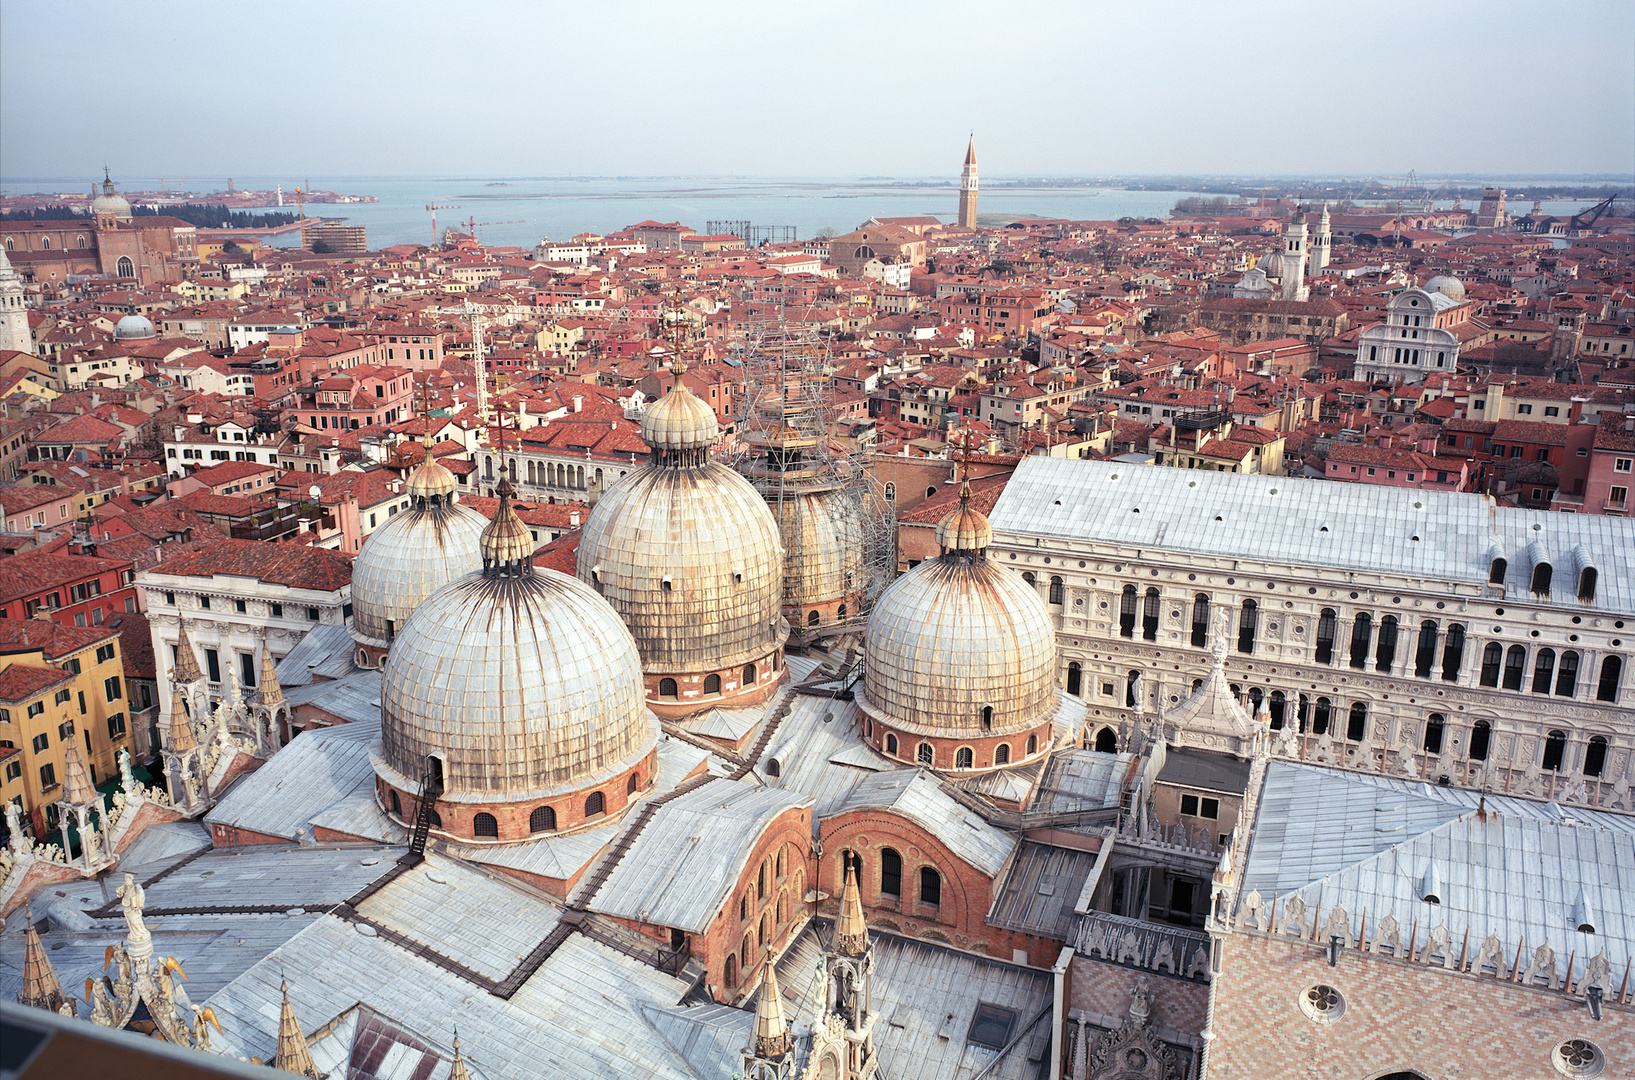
(844, 89)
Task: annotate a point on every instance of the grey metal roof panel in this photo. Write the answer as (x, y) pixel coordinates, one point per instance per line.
(681, 867)
(165, 841)
(816, 732)
(1083, 779)
(353, 698)
(319, 651)
(1441, 536)
(318, 769)
(1041, 889)
(917, 795)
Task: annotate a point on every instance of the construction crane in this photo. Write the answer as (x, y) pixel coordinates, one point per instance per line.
(300, 203)
(434, 207)
(474, 223)
(1582, 220)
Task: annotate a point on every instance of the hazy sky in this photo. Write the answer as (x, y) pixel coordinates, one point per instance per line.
(295, 88)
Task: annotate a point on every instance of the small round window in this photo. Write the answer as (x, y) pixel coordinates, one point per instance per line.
(1578, 1058)
(1324, 1004)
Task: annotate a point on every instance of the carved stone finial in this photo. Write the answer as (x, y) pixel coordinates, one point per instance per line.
(131, 899)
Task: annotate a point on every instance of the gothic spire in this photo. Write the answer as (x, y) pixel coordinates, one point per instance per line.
(41, 987)
(772, 1038)
(851, 931)
(181, 726)
(187, 664)
(292, 1055)
(269, 692)
(77, 788)
(457, 1071)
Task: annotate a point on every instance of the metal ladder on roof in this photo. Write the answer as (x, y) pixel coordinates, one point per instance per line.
(431, 786)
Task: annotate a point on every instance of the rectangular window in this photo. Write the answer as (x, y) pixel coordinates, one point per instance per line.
(204, 602)
(42, 743)
(1552, 410)
(276, 610)
(1617, 496)
(65, 730)
(1524, 409)
(238, 606)
(111, 688)
(246, 669)
(170, 598)
(1621, 464)
(14, 769)
(116, 726)
(63, 696)
(1189, 805)
(35, 709)
(312, 614)
(48, 776)
(73, 663)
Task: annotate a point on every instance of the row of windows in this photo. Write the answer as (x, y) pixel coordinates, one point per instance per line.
(889, 882)
(964, 757)
(712, 683)
(1509, 668)
(275, 611)
(541, 819)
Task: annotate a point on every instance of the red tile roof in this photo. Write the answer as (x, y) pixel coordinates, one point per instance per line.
(294, 565)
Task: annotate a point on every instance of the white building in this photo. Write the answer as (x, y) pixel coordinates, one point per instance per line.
(1425, 634)
(233, 595)
(1420, 336)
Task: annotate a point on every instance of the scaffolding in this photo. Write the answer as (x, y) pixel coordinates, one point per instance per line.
(839, 532)
(753, 235)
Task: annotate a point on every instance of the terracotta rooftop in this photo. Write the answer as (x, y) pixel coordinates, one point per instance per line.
(292, 565)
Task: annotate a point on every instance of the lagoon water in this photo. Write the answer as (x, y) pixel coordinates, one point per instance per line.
(523, 211)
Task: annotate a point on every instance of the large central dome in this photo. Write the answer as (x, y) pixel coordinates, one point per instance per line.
(960, 659)
(688, 554)
(526, 690)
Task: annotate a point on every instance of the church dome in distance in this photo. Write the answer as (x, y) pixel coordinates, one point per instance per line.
(110, 203)
(1449, 286)
(134, 328)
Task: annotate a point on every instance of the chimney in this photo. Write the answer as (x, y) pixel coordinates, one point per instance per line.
(578, 402)
(573, 519)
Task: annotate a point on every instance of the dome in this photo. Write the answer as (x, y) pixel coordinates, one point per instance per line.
(523, 681)
(134, 328)
(822, 539)
(1448, 286)
(1271, 265)
(691, 559)
(959, 647)
(688, 554)
(110, 203)
(414, 554)
(680, 419)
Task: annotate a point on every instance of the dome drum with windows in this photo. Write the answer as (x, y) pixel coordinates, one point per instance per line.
(960, 660)
(518, 693)
(686, 551)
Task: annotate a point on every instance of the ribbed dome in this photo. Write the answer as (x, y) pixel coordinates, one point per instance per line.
(414, 554)
(134, 328)
(525, 683)
(964, 529)
(506, 540)
(431, 480)
(954, 636)
(690, 557)
(822, 540)
(680, 420)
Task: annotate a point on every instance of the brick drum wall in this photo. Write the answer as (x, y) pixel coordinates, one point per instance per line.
(1398, 1016)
